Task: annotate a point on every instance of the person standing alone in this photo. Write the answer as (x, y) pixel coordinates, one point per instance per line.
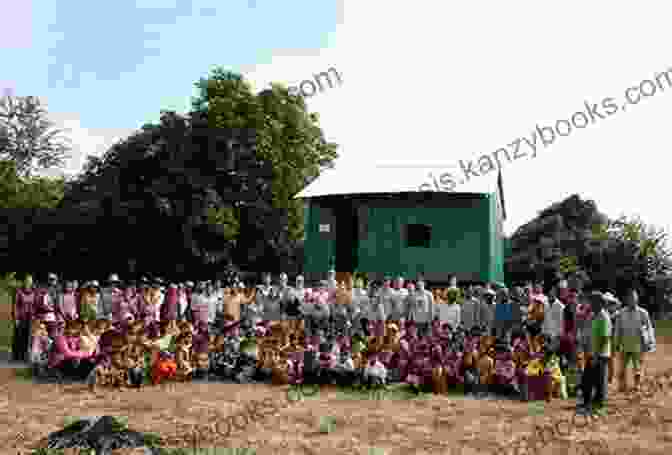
(634, 337)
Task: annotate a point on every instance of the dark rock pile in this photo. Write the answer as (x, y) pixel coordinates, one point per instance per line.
(102, 434)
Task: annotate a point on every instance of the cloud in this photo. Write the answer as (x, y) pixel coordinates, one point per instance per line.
(84, 141)
(17, 24)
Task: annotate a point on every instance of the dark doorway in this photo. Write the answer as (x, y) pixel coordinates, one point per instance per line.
(347, 237)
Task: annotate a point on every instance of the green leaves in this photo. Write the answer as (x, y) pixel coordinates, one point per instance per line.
(28, 192)
(28, 138)
(287, 135)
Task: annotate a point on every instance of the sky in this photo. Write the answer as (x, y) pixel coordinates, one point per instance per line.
(425, 84)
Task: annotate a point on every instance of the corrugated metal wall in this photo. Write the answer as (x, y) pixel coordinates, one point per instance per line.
(466, 240)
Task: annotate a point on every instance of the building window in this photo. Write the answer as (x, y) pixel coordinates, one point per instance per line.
(418, 235)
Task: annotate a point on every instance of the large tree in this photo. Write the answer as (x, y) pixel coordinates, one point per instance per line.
(573, 239)
(165, 191)
(28, 137)
(288, 136)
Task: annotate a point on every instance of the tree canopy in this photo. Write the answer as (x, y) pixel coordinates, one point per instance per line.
(206, 189)
(573, 239)
(28, 137)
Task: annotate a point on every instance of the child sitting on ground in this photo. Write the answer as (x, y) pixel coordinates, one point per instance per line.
(39, 352)
(136, 361)
(183, 357)
(88, 338)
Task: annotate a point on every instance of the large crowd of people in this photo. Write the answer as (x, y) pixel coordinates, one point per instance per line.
(488, 339)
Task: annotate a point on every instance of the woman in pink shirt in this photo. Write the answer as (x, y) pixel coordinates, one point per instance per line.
(23, 312)
(66, 355)
(169, 308)
(44, 309)
(67, 306)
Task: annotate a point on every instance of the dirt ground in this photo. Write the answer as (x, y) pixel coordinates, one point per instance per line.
(441, 425)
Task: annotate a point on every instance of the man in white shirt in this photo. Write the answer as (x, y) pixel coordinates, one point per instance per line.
(212, 299)
(199, 304)
(107, 295)
(397, 310)
(421, 309)
(634, 337)
(182, 302)
(553, 321)
(378, 308)
(469, 310)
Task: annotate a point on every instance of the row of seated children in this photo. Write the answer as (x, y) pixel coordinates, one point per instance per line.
(131, 355)
(447, 359)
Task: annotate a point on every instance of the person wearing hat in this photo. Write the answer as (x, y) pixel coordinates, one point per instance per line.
(110, 296)
(54, 291)
(469, 311)
(634, 337)
(486, 310)
(381, 302)
(23, 310)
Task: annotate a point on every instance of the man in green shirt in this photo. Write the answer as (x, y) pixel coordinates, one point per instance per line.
(595, 380)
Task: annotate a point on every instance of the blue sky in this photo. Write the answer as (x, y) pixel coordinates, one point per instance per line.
(115, 65)
(426, 87)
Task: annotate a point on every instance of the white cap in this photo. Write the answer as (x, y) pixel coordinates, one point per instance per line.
(52, 276)
(95, 283)
(610, 298)
(114, 278)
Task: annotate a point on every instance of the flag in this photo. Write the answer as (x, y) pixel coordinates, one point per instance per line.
(500, 188)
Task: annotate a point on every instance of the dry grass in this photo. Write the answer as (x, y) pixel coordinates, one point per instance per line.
(28, 412)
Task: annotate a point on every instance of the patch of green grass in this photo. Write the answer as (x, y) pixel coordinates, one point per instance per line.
(206, 451)
(327, 424)
(152, 439)
(390, 392)
(6, 325)
(664, 328)
(25, 374)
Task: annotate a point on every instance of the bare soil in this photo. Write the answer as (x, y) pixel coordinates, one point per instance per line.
(439, 424)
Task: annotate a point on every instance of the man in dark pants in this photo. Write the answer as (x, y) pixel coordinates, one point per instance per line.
(595, 378)
(22, 312)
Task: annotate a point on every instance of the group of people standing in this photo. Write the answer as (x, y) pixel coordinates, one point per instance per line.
(582, 328)
(148, 300)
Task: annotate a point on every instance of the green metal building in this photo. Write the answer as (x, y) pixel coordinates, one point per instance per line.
(411, 233)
